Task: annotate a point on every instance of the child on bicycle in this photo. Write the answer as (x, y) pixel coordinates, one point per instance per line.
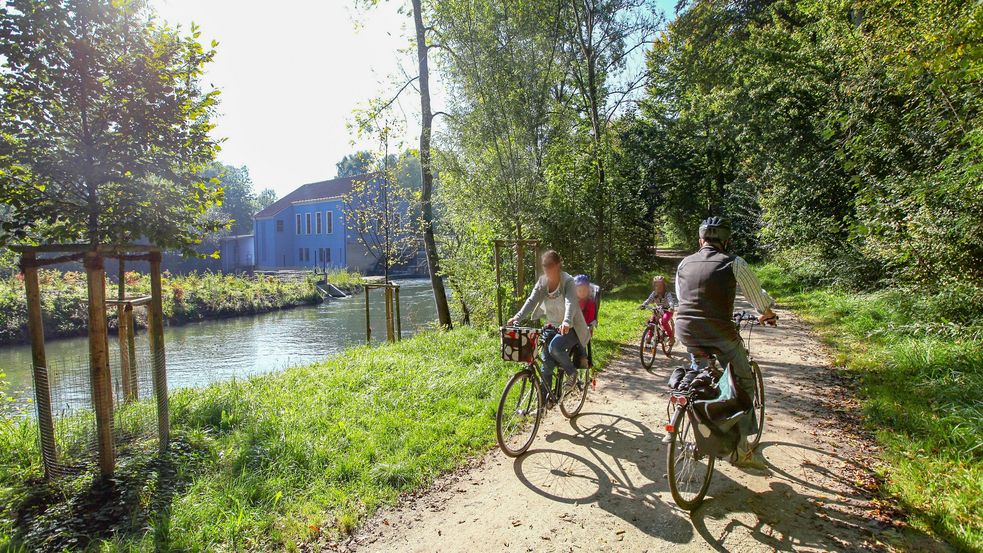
(662, 297)
(589, 308)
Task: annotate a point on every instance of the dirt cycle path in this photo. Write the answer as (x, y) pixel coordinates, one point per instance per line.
(597, 483)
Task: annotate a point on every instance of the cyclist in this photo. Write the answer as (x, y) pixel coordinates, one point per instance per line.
(662, 297)
(706, 286)
(555, 297)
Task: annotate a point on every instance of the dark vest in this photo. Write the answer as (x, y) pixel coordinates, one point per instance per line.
(706, 288)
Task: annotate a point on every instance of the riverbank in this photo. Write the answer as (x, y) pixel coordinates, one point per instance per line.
(274, 461)
(186, 298)
(918, 363)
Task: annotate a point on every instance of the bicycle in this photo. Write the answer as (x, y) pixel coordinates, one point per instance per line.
(521, 408)
(684, 458)
(652, 336)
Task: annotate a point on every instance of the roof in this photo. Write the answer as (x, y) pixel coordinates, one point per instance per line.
(313, 191)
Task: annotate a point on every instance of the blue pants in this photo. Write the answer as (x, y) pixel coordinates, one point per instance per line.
(731, 352)
(556, 352)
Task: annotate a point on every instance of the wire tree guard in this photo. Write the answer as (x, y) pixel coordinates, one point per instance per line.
(394, 324)
(521, 248)
(110, 420)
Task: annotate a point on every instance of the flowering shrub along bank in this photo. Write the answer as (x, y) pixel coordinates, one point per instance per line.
(192, 297)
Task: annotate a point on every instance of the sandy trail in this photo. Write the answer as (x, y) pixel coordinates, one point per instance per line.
(597, 483)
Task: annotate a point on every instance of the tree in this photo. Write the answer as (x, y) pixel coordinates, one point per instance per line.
(265, 198)
(104, 124)
(239, 202)
(426, 170)
(383, 214)
(358, 163)
(601, 36)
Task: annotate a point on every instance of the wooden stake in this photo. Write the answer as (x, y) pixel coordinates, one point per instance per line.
(520, 270)
(498, 281)
(42, 388)
(156, 324)
(390, 326)
(368, 324)
(122, 325)
(399, 319)
(102, 388)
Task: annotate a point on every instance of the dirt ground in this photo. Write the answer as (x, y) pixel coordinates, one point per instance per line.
(597, 483)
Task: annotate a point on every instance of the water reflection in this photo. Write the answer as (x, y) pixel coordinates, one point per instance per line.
(202, 353)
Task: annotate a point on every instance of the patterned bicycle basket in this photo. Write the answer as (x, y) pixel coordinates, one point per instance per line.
(519, 344)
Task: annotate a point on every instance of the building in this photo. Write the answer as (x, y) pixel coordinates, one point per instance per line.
(306, 229)
(237, 253)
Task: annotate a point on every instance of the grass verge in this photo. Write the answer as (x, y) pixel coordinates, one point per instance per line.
(920, 383)
(277, 461)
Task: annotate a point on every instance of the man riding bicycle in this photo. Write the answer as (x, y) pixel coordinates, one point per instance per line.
(706, 287)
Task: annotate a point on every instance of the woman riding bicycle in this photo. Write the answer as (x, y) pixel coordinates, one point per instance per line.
(662, 297)
(555, 296)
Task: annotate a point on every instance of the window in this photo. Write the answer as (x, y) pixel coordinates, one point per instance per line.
(318, 217)
(308, 223)
(300, 255)
(298, 223)
(279, 225)
(329, 221)
(327, 255)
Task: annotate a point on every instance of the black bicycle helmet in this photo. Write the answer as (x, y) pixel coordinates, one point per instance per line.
(715, 229)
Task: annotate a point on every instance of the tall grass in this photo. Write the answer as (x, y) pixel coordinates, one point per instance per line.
(919, 361)
(280, 460)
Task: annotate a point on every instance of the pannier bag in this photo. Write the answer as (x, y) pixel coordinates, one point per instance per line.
(519, 344)
(715, 420)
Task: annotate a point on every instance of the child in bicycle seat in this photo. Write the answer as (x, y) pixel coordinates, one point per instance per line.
(662, 297)
(589, 308)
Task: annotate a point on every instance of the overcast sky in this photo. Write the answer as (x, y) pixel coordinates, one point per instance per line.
(291, 72)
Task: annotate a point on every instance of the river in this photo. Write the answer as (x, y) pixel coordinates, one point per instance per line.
(202, 353)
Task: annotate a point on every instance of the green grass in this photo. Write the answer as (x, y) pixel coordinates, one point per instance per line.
(919, 363)
(285, 459)
(345, 279)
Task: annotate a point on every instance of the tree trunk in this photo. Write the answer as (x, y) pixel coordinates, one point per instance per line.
(426, 193)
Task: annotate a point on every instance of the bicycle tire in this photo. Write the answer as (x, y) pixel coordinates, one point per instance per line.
(642, 349)
(682, 427)
(759, 406)
(579, 397)
(530, 392)
(666, 345)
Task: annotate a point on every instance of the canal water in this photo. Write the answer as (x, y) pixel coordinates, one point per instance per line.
(201, 353)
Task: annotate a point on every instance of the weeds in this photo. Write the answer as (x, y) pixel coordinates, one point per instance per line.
(920, 390)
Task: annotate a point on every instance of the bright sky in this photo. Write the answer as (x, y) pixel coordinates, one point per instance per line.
(292, 71)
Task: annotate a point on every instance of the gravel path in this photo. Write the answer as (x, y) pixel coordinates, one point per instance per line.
(597, 483)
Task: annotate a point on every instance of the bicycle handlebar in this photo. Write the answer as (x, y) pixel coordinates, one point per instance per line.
(746, 317)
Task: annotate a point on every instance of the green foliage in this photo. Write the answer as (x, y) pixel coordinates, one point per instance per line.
(850, 129)
(191, 297)
(277, 461)
(104, 125)
(919, 360)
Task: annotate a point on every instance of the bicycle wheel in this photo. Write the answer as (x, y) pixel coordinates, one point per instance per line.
(689, 472)
(646, 347)
(759, 406)
(666, 344)
(519, 413)
(573, 401)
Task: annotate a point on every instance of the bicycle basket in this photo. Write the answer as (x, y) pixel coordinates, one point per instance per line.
(519, 344)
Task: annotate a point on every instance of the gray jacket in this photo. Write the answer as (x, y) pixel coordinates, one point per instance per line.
(559, 306)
